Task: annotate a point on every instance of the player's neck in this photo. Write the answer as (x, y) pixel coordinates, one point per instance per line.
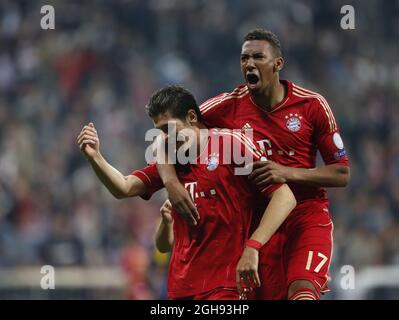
(273, 95)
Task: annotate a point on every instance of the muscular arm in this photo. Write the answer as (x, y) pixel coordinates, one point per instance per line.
(168, 174)
(333, 175)
(119, 186)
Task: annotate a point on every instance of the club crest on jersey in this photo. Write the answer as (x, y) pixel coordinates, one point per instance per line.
(212, 162)
(293, 122)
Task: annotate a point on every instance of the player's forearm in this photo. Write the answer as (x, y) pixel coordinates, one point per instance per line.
(166, 169)
(112, 179)
(281, 204)
(333, 175)
(164, 237)
(168, 174)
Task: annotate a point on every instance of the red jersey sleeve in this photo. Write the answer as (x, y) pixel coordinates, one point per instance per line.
(326, 134)
(250, 153)
(212, 111)
(150, 177)
(220, 111)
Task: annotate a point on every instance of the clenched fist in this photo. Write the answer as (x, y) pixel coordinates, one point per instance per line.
(88, 141)
(247, 271)
(166, 212)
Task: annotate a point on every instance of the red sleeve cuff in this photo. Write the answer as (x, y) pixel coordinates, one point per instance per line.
(146, 180)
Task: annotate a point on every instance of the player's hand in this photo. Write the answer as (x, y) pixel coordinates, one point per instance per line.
(268, 172)
(88, 141)
(182, 202)
(247, 276)
(166, 212)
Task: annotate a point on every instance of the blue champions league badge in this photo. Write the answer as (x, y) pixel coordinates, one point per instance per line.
(340, 154)
(213, 162)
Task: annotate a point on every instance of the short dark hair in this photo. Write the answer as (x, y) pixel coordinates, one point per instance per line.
(262, 34)
(173, 99)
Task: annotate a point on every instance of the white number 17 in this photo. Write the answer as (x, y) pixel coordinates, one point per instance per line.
(320, 265)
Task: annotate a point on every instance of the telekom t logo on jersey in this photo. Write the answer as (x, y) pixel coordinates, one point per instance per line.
(191, 187)
(266, 147)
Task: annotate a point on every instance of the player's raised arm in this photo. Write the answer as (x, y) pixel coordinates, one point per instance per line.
(119, 185)
(164, 238)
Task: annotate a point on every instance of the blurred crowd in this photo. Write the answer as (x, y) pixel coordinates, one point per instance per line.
(101, 64)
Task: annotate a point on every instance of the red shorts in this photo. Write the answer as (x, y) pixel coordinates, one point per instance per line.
(301, 249)
(215, 294)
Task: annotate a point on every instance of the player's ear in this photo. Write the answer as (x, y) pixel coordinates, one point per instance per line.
(192, 117)
(278, 64)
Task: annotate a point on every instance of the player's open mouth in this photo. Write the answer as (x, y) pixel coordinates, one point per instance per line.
(252, 80)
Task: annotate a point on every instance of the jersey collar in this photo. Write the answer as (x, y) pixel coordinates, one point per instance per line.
(280, 105)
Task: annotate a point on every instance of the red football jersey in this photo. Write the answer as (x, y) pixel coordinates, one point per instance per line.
(205, 256)
(290, 134)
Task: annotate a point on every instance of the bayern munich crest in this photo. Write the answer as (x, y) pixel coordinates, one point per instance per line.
(293, 122)
(212, 162)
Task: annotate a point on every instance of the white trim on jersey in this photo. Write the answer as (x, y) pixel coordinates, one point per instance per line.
(148, 178)
(304, 93)
(210, 104)
(242, 139)
(220, 96)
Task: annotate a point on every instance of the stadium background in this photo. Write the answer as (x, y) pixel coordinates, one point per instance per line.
(102, 63)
